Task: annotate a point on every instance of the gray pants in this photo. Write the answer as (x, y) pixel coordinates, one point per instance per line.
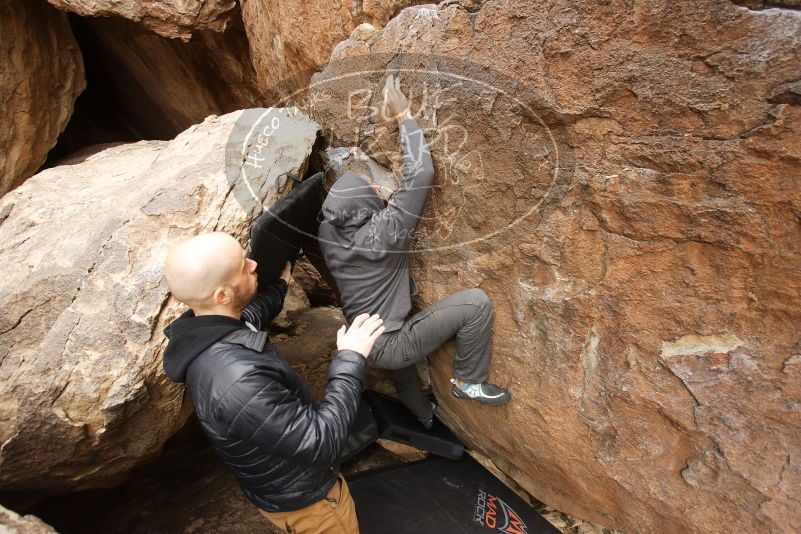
(466, 315)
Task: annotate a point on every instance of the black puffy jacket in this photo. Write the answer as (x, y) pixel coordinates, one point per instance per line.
(257, 413)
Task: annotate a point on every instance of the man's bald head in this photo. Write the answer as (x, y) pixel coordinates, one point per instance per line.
(199, 266)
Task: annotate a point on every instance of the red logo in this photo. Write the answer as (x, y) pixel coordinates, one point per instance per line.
(494, 513)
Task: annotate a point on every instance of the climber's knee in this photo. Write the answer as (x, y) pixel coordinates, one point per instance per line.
(478, 297)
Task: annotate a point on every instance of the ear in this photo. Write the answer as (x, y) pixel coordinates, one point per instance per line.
(221, 296)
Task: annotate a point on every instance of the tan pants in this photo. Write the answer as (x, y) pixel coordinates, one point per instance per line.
(335, 514)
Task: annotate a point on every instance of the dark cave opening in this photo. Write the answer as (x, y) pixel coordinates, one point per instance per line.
(140, 85)
(95, 119)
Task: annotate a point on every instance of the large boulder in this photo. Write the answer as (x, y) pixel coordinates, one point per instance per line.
(167, 18)
(13, 523)
(289, 39)
(42, 75)
(83, 398)
(623, 180)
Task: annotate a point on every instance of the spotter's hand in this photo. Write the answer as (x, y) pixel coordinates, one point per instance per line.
(361, 335)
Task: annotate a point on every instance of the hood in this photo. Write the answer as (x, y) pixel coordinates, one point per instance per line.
(190, 335)
(351, 202)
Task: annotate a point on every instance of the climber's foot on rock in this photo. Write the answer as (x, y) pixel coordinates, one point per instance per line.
(484, 393)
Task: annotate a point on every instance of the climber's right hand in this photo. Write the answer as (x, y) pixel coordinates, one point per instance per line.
(361, 335)
(396, 105)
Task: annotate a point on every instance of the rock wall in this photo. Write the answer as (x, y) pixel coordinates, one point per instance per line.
(622, 178)
(288, 38)
(170, 19)
(83, 398)
(42, 75)
(13, 523)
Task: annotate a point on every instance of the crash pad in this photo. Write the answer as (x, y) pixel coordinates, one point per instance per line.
(438, 495)
(362, 433)
(397, 423)
(278, 234)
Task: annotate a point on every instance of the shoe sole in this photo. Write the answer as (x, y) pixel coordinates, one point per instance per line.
(503, 399)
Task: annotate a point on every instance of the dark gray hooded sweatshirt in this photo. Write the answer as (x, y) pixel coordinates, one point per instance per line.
(365, 244)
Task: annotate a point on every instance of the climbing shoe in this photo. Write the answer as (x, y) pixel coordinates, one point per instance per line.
(484, 393)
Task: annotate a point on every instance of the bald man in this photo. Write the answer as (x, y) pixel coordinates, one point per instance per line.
(255, 410)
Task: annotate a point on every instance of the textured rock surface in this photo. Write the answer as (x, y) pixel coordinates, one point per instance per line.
(623, 180)
(170, 19)
(296, 303)
(83, 398)
(289, 37)
(13, 523)
(318, 290)
(41, 75)
(155, 87)
(310, 345)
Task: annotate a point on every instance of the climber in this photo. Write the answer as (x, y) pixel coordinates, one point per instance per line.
(365, 244)
(257, 413)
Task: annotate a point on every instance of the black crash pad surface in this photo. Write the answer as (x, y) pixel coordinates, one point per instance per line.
(440, 496)
(397, 423)
(278, 234)
(363, 432)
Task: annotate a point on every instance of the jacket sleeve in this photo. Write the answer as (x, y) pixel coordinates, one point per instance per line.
(396, 223)
(279, 421)
(266, 306)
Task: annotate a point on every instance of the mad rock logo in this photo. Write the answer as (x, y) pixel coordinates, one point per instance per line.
(493, 513)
